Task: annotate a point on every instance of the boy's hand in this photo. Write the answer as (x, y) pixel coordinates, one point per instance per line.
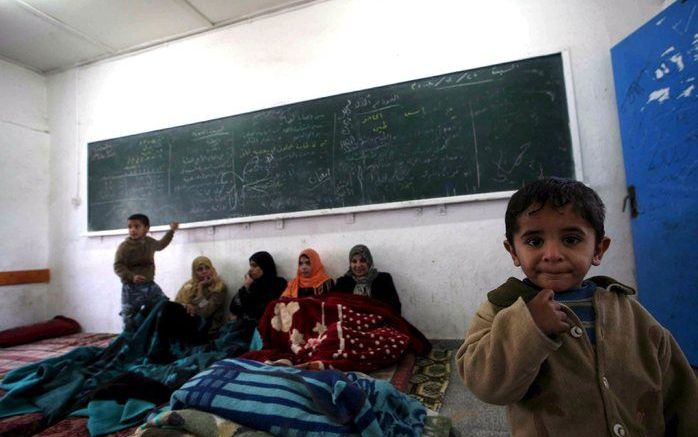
(174, 226)
(138, 279)
(548, 314)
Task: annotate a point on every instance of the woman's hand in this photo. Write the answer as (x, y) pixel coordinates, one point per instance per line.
(248, 281)
(191, 309)
(206, 282)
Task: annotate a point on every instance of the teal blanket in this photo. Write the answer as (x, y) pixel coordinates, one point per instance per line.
(59, 385)
(104, 417)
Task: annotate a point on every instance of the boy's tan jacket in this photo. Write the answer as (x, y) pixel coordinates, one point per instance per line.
(136, 257)
(636, 382)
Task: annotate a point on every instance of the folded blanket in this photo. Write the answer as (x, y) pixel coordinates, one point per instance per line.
(55, 327)
(339, 331)
(288, 401)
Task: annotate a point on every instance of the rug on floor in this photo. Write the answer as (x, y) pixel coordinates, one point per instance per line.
(430, 378)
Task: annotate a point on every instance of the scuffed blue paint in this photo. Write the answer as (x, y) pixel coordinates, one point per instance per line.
(655, 76)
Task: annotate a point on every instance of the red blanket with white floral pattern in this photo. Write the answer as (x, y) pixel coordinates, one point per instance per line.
(340, 331)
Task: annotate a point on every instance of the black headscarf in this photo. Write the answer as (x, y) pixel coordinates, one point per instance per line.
(265, 262)
(250, 303)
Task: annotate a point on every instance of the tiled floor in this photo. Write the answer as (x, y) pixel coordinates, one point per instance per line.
(469, 415)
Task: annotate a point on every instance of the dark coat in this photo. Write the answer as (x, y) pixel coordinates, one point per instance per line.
(325, 287)
(250, 304)
(382, 288)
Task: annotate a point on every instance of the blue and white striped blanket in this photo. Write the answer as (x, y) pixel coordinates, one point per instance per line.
(288, 401)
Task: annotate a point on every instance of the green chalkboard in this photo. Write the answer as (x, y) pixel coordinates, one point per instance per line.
(484, 130)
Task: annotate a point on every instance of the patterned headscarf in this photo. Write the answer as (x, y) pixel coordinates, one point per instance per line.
(316, 279)
(363, 283)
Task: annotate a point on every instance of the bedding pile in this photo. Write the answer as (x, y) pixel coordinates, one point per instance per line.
(14, 357)
(57, 386)
(288, 401)
(341, 331)
(117, 386)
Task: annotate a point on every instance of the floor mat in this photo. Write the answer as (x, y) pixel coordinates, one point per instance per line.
(430, 378)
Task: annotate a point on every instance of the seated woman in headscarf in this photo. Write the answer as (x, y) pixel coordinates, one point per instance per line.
(261, 286)
(364, 279)
(197, 313)
(203, 295)
(311, 279)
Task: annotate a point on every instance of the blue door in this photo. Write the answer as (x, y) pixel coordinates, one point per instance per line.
(656, 91)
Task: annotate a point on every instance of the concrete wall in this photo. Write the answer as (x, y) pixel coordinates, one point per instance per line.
(442, 264)
(24, 163)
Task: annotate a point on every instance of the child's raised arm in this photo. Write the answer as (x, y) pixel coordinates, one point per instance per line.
(161, 244)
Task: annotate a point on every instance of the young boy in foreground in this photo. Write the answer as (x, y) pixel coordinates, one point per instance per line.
(134, 263)
(570, 356)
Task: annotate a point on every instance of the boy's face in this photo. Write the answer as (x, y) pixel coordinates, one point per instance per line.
(555, 247)
(136, 229)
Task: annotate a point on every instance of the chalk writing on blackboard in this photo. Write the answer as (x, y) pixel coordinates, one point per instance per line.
(484, 130)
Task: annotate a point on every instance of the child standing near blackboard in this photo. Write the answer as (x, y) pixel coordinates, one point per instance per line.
(570, 356)
(134, 263)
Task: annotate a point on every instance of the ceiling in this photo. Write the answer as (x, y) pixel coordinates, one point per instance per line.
(53, 35)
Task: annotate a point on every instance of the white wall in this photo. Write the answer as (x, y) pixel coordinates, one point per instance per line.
(24, 148)
(442, 264)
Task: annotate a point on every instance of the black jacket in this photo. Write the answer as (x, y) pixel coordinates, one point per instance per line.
(250, 304)
(382, 288)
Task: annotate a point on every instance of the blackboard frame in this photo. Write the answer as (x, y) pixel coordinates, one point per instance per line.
(418, 203)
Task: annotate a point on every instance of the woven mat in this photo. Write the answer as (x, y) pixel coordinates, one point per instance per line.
(430, 378)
